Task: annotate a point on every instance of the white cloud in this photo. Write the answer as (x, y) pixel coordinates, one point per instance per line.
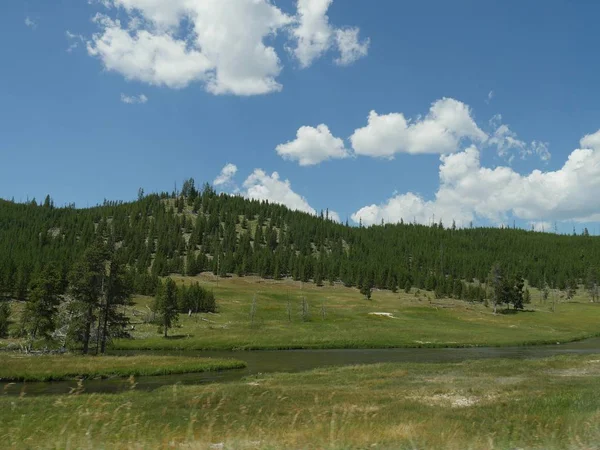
(226, 175)
(219, 43)
(507, 143)
(134, 99)
(468, 191)
(490, 96)
(30, 23)
(264, 187)
(446, 125)
(313, 146)
(350, 46)
(314, 35)
(154, 58)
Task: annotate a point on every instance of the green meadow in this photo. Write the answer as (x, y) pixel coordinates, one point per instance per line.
(19, 367)
(340, 317)
(490, 404)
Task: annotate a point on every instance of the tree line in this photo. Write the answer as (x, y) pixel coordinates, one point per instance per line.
(196, 230)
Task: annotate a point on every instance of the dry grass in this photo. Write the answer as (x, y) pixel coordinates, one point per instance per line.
(387, 406)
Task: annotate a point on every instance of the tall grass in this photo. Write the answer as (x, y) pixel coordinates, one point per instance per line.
(15, 367)
(494, 404)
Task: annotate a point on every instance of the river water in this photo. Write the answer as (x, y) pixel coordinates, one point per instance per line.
(295, 361)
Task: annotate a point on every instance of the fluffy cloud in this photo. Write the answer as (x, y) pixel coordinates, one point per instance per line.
(446, 125)
(226, 175)
(220, 43)
(314, 35)
(261, 186)
(134, 99)
(312, 146)
(468, 191)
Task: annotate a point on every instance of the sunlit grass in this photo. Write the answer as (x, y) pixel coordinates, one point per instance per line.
(339, 318)
(492, 404)
(18, 367)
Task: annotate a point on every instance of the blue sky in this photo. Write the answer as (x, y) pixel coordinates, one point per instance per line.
(513, 87)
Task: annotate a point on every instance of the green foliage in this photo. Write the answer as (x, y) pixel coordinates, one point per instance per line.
(166, 305)
(38, 318)
(195, 230)
(195, 298)
(70, 367)
(5, 313)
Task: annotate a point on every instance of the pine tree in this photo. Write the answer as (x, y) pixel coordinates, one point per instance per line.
(166, 305)
(86, 281)
(5, 314)
(117, 292)
(367, 289)
(38, 317)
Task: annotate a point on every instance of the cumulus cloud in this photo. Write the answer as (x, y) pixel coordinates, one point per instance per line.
(314, 35)
(134, 99)
(261, 186)
(223, 44)
(447, 124)
(226, 175)
(468, 191)
(313, 146)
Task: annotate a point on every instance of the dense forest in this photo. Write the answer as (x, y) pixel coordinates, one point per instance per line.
(198, 230)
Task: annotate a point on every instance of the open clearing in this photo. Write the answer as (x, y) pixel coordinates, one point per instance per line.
(340, 317)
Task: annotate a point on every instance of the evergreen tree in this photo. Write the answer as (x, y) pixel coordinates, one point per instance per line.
(39, 314)
(366, 289)
(5, 314)
(117, 292)
(86, 283)
(166, 305)
(592, 284)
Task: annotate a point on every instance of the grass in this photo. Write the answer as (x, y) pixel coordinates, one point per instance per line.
(418, 321)
(494, 404)
(16, 367)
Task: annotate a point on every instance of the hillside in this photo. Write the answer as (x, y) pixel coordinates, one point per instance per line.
(195, 231)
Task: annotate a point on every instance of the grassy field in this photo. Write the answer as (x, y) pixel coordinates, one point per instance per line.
(494, 404)
(18, 367)
(340, 318)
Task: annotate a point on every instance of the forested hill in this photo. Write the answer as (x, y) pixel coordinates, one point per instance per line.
(197, 231)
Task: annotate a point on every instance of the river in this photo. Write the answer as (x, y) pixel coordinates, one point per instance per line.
(295, 361)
